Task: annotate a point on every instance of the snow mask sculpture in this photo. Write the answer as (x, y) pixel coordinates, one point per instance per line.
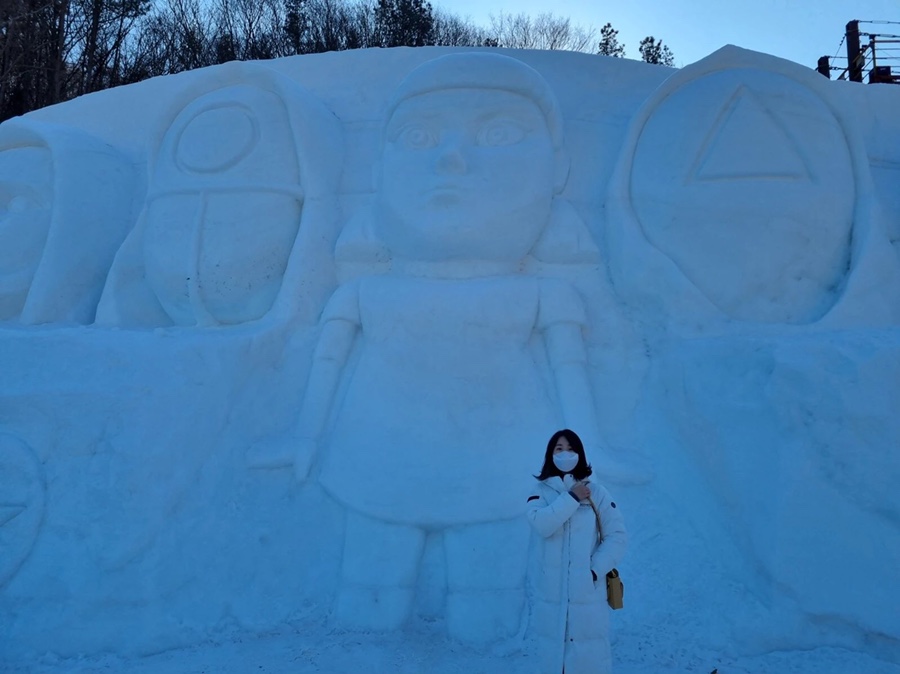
(225, 204)
(442, 350)
(778, 220)
(65, 207)
(200, 202)
(25, 174)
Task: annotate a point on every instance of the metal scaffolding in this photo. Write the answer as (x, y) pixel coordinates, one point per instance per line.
(879, 57)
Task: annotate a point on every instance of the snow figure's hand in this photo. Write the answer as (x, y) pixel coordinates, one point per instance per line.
(304, 453)
(270, 452)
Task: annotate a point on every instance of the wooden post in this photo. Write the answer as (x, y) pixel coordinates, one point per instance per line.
(854, 64)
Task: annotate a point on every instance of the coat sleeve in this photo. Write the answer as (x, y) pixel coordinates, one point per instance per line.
(548, 516)
(612, 548)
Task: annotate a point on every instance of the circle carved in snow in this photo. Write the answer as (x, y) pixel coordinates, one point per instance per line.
(217, 139)
(753, 199)
(21, 504)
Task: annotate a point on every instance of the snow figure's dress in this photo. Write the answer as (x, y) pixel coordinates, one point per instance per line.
(473, 393)
(432, 381)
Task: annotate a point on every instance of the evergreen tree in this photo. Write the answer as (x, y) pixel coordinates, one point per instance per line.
(404, 23)
(609, 42)
(654, 51)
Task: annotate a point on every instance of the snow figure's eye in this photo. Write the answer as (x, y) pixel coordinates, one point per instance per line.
(500, 132)
(417, 137)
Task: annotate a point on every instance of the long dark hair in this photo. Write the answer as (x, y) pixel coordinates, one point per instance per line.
(582, 469)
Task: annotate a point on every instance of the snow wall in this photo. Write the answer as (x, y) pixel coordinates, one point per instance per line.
(283, 342)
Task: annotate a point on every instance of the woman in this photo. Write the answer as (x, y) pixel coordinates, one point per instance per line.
(571, 619)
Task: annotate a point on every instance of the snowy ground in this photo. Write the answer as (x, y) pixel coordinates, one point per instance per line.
(320, 651)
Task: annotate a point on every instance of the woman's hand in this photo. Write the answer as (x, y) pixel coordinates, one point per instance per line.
(582, 491)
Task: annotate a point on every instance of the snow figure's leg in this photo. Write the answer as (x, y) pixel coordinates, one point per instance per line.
(486, 566)
(378, 573)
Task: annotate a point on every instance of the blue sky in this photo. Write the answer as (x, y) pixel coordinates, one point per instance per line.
(799, 30)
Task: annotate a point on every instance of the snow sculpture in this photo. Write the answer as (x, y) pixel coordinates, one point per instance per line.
(746, 211)
(226, 205)
(65, 207)
(452, 343)
(21, 503)
(428, 371)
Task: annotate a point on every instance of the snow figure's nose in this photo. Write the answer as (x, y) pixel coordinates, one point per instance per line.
(451, 158)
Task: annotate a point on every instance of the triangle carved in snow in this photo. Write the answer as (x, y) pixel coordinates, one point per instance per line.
(748, 141)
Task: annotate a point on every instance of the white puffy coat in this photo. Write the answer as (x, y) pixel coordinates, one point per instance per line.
(570, 618)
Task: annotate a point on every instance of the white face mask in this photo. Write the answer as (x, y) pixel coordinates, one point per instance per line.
(565, 461)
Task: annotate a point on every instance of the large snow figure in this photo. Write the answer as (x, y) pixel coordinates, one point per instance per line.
(231, 182)
(65, 207)
(429, 372)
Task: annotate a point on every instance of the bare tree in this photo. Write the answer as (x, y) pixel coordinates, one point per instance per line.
(545, 31)
(34, 45)
(512, 31)
(312, 26)
(555, 33)
(452, 31)
(97, 31)
(247, 29)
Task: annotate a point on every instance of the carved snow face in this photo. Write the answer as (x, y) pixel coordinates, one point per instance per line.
(466, 174)
(25, 211)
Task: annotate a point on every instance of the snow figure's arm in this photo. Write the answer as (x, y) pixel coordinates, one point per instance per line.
(612, 548)
(547, 517)
(561, 318)
(340, 326)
